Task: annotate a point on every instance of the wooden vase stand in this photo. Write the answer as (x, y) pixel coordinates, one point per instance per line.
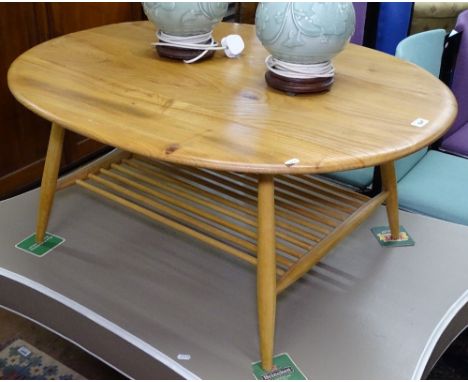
(297, 85)
(181, 53)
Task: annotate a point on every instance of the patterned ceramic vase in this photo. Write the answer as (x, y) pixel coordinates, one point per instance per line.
(185, 19)
(304, 33)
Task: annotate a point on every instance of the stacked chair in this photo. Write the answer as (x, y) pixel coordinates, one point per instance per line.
(430, 182)
(456, 140)
(424, 49)
(436, 183)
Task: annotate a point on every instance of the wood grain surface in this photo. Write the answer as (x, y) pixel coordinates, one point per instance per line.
(107, 83)
(24, 135)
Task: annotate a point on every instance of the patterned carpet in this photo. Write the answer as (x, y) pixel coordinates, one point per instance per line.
(21, 360)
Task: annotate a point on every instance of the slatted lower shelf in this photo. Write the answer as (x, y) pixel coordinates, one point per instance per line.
(220, 208)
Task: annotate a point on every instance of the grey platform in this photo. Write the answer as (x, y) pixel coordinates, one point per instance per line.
(137, 295)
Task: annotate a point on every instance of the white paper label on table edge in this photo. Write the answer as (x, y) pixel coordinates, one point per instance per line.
(292, 162)
(419, 122)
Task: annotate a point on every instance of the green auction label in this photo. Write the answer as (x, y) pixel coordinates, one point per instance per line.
(30, 246)
(284, 368)
(384, 237)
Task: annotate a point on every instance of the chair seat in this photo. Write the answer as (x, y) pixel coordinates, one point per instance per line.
(361, 178)
(437, 186)
(457, 143)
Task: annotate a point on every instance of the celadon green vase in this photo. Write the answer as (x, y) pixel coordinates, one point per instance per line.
(304, 33)
(185, 19)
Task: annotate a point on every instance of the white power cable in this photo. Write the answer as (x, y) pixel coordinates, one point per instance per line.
(300, 71)
(203, 42)
(232, 44)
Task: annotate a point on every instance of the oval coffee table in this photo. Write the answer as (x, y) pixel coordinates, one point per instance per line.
(206, 148)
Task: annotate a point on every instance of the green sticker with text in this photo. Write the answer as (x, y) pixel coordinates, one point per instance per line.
(283, 368)
(384, 237)
(30, 246)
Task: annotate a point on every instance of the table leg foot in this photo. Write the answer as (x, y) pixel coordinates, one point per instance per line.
(266, 269)
(49, 179)
(389, 184)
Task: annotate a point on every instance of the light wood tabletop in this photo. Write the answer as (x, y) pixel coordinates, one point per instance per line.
(219, 113)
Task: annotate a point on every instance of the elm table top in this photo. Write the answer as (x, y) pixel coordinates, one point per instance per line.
(107, 83)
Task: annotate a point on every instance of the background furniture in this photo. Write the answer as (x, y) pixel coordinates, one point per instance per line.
(424, 49)
(435, 183)
(432, 183)
(393, 25)
(437, 186)
(435, 15)
(456, 140)
(389, 23)
(246, 12)
(24, 135)
(361, 12)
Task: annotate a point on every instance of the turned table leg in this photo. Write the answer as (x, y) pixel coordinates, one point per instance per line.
(266, 269)
(49, 179)
(389, 184)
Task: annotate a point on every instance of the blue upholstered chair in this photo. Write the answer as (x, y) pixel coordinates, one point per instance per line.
(437, 186)
(424, 49)
(431, 182)
(437, 183)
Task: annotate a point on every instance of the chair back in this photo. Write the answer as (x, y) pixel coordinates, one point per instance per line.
(361, 11)
(424, 49)
(460, 75)
(393, 24)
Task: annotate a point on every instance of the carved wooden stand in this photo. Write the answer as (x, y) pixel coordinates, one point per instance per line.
(283, 224)
(298, 86)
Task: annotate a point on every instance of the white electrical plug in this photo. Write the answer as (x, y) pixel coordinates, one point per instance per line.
(233, 45)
